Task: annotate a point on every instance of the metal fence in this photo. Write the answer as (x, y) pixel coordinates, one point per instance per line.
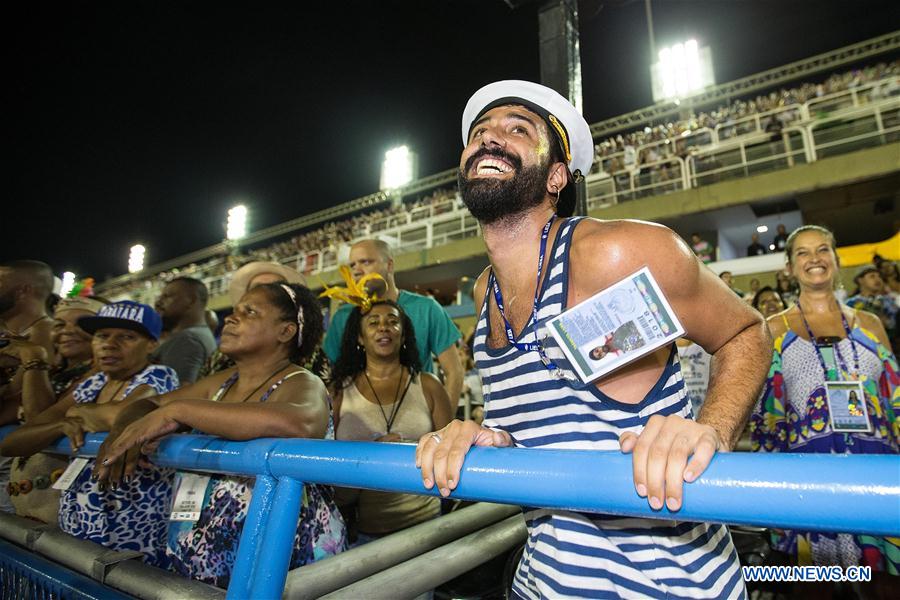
(794, 491)
(26, 576)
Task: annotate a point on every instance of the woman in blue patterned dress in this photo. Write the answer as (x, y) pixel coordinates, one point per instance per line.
(273, 328)
(130, 516)
(826, 355)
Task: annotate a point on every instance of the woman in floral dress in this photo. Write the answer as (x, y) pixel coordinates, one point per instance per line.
(274, 328)
(825, 355)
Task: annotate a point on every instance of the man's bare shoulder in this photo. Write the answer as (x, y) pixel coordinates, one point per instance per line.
(42, 329)
(623, 237)
(624, 246)
(45, 324)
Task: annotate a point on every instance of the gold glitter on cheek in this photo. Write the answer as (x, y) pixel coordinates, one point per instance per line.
(543, 147)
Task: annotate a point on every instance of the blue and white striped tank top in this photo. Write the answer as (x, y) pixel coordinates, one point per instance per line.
(571, 554)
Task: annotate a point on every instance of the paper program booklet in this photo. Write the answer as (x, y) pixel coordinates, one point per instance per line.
(615, 326)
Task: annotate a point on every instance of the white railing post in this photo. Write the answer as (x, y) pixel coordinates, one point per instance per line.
(744, 158)
(878, 122)
(682, 170)
(788, 151)
(811, 139)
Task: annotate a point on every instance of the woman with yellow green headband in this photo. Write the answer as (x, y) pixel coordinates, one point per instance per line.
(380, 394)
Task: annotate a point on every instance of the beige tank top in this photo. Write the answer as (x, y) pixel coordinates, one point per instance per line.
(363, 420)
(380, 513)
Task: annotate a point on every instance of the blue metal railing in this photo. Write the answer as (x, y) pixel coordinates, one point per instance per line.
(25, 576)
(847, 493)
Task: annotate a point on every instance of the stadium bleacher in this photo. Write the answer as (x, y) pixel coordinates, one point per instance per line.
(700, 149)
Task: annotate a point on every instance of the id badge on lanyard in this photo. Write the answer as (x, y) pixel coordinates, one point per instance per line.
(191, 491)
(846, 399)
(71, 473)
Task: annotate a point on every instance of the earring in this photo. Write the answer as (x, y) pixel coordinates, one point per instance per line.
(555, 202)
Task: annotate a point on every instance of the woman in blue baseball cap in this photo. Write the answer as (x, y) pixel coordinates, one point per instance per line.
(131, 515)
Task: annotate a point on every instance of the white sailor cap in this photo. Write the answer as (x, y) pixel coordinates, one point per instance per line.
(571, 129)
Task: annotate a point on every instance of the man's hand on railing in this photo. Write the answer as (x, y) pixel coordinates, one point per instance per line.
(119, 455)
(669, 451)
(440, 454)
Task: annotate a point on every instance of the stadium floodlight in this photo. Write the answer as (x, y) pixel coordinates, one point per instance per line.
(683, 69)
(399, 168)
(136, 258)
(762, 228)
(68, 282)
(236, 227)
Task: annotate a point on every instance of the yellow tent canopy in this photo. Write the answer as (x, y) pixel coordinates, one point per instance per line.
(862, 254)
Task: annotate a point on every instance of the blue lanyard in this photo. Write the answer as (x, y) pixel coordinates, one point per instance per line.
(837, 350)
(535, 346)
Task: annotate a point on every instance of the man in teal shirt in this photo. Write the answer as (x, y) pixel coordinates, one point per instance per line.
(435, 332)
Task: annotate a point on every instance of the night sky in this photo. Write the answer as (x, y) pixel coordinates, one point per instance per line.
(144, 121)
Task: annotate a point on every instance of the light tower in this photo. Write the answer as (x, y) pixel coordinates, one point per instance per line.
(136, 258)
(236, 227)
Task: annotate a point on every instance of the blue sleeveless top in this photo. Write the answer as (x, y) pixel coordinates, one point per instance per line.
(570, 554)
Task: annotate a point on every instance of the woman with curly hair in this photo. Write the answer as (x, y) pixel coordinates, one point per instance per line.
(273, 329)
(379, 393)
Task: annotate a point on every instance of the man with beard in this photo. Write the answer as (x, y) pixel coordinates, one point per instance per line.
(188, 342)
(524, 144)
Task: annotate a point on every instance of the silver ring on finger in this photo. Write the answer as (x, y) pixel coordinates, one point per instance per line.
(436, 437)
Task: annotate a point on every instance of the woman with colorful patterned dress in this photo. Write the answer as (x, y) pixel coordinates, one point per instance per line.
(130, 516)
(274, 328)
(826, 355)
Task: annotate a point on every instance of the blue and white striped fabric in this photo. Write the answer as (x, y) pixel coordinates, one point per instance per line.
(571, 554)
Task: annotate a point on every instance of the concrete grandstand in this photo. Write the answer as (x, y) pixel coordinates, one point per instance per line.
(815, 141)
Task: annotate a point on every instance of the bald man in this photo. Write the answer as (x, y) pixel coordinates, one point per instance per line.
(435, 332)
(25, 286)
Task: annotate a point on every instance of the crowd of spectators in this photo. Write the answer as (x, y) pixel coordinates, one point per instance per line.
(627, 152)
(324, 240)
(618, 156)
